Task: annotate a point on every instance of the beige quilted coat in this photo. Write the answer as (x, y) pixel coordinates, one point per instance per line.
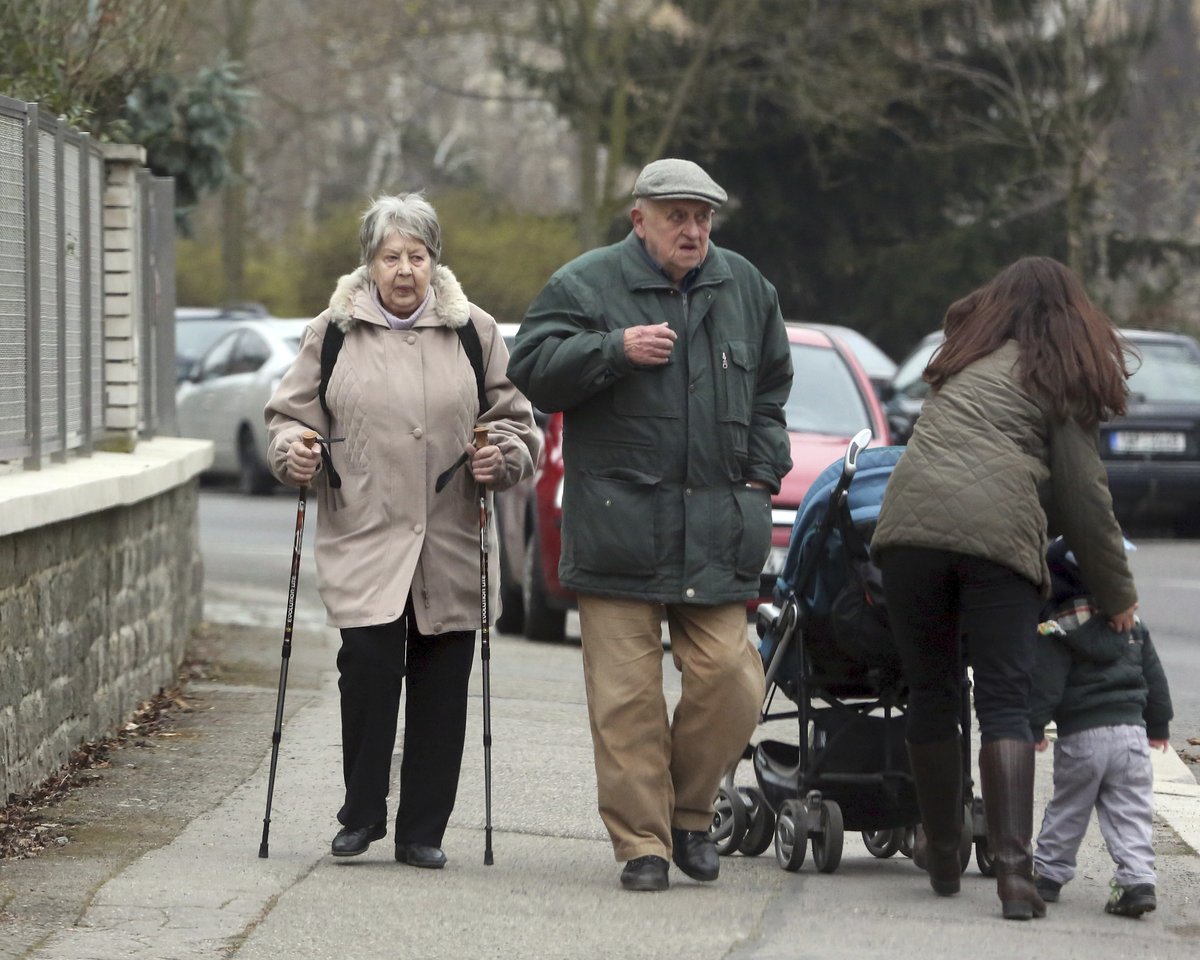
(406, 402)
(990, 474)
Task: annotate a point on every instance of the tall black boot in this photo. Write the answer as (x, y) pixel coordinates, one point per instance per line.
(1006, 773)
(938, 776)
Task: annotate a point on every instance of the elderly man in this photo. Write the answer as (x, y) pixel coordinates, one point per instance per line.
(670, 361)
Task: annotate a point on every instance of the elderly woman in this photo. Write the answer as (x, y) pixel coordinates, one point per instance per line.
(397, 560)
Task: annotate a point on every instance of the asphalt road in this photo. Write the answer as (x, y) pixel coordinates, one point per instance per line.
(247, 546)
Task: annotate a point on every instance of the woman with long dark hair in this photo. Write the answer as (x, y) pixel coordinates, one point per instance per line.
(1003, 454)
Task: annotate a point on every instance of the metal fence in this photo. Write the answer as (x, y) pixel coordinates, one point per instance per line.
(52, 293)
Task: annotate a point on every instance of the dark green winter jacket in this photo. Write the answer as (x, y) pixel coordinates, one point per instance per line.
(655, 503)
(1096, 677)
(991, 474)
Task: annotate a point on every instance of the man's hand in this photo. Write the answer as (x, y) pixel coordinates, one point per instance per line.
(1163, 745)
(1041, 745)
(649, 345)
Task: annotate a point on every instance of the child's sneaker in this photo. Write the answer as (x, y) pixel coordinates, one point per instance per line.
(1131, 901)
(1047, 889)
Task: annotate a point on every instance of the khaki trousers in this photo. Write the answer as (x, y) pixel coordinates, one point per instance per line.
(653, 773)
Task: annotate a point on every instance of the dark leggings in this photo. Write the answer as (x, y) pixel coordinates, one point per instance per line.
(373, 662)
(934, 599)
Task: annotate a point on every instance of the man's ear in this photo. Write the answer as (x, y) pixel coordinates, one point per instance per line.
(638, 216)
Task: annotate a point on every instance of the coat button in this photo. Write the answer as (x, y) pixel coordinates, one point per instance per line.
(418, 527)
(411, 339)
(690, 591)
(418, 433)
(608, 503)
(437, 628)
(687, 492)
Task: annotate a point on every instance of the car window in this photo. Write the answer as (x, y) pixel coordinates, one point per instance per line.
(193, 337)
(825, 396)
(216, 361)
(250, 353)
(907, 380)
(1169, 373)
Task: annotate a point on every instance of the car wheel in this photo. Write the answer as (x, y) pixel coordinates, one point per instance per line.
(253, 476)
(542, 622)
(512, 603)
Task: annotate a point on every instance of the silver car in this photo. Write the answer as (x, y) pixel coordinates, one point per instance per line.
(223, 395)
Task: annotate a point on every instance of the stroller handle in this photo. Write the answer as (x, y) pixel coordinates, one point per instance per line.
(857, 445)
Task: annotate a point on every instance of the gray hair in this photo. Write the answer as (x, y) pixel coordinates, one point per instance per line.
(409, 215)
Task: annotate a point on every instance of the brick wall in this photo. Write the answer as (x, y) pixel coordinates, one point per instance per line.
(94, 615)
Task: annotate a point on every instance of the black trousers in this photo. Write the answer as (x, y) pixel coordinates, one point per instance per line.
(373, 662)
(935, 598)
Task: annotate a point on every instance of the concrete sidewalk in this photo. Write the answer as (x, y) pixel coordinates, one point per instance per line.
(163, 864)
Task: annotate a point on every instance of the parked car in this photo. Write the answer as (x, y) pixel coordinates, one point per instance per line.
(831, 400)
(223, 395)
(903, 397)
(879, 366)
(197, 329)
(1151, 455)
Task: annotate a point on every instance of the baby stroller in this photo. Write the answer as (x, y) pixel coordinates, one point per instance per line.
(826, 645)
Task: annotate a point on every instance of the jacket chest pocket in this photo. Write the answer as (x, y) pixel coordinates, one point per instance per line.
(736, 363)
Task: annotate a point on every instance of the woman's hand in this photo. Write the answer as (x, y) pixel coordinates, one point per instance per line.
(1123, 622)
(302, 462)
(1163, 745)
(486, 463)
(1041, 745)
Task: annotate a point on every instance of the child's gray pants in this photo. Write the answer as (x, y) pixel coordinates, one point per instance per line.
(1107, 768)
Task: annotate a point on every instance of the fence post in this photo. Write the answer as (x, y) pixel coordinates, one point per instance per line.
(33, 295)
(122, 295)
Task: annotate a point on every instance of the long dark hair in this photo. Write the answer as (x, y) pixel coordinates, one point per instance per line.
(1071, 355)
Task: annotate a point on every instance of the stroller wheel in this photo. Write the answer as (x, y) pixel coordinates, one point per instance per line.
(729, 822)
(761, 828)
(883, 843)
(791, 836)
(983, 858)
(828, 839)
(906, 843)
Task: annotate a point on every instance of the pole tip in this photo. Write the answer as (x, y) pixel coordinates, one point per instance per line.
(487, 859)
(262, 852)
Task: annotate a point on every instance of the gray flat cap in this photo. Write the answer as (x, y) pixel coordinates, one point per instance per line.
(673, 179)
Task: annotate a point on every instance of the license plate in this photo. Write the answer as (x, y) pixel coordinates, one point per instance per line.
(1147, 441)
(775, 561)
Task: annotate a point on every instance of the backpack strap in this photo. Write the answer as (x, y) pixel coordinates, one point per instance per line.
(472, 347)
(330, 347)
(474, 351)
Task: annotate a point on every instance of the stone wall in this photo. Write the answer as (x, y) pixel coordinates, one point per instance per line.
(95, 612)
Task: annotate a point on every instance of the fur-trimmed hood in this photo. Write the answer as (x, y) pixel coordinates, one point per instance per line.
(449, 305)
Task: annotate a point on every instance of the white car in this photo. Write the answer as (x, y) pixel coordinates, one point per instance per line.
(223, 395)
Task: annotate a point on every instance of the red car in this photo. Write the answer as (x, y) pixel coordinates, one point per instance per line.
(832, 399)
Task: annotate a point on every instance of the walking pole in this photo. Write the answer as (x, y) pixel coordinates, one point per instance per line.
(485, 656)
(309, 437)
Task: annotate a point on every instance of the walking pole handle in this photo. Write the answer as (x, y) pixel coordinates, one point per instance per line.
(481, 437)
(309, 439)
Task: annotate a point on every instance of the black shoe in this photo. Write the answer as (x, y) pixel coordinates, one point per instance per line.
(351, 841)
(1049, 889)
(695, 854)
(645, 873)
(1131, 901)
(419, 855)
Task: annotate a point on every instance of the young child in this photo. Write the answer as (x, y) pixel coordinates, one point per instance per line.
(1107, 693)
